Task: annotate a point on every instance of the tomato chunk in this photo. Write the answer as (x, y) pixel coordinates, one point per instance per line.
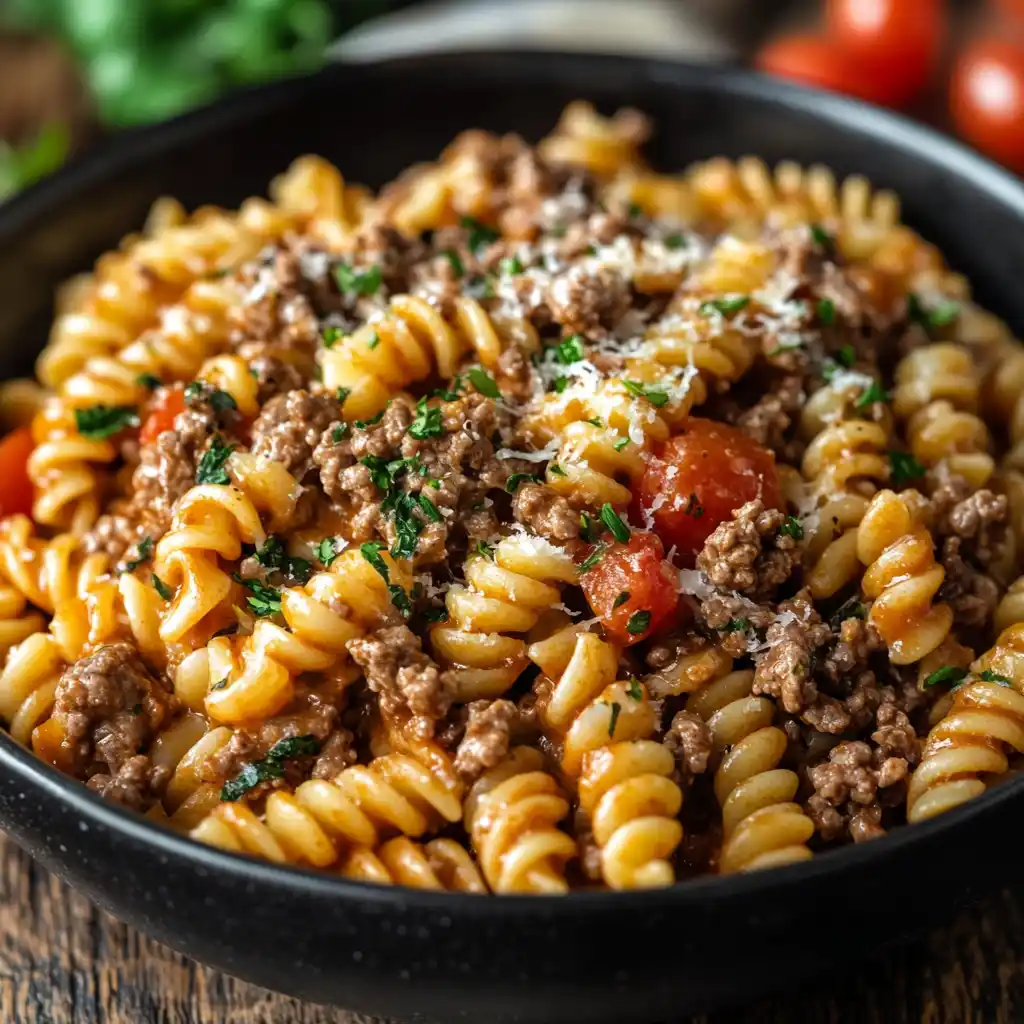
(632, 588)
(162, 414)
(15, 486)
(698, 479)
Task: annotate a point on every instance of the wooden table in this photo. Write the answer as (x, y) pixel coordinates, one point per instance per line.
(64, 962)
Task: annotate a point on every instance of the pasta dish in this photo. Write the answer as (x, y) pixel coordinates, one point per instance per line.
(540, 522)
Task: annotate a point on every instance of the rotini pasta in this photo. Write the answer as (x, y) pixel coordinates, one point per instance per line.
(542, 522)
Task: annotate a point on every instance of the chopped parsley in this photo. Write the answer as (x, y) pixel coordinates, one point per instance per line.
(145, 548)
(480, 287)
(635, 690)
(483, 382)
(587, 527)
(269, 767)
(851, 609)
(485, 550)
(458, 267)
(904, 468)
(821, 236)
(436, 615)
(875, 393)
(328, 550)
(363, 424)
(221, 401)
(399, 598)
(452, 392)
(595, 421)
(272, 555)
(792, 527)
(356, 282)
(945, 676)
(656, 396)
(619, 530)
(995, 677)
(211, 466)
(736, 626)
(592, 559)
(621, 443)
(620, 599)
(374, 341)
(339, 433)
(570, 350)
(639, 622)
(633, 211)
(220, 686)
(479, 234)
(148, 381)
(932, 319)
(430, 510)
(826, 311)
(511, 265)
(161, 588)
(98, 422)
(556, 470)
(677, 240)
(517, 478)
(725, 306)
(846, 356)
(613, 720)
(693, 507)
(341, 394)
(560, 384)
(263, 600)
(137, 709)
(427, 422)
(331, 336)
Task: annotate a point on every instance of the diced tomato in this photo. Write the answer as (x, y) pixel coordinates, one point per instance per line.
(632, 588)
(162, 414)
(818, 61)
(15, 486)
(698, 479)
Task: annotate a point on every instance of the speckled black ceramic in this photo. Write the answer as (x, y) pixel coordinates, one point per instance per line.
(594, 957)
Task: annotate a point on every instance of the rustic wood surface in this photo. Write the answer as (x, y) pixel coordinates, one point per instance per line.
(64, 962)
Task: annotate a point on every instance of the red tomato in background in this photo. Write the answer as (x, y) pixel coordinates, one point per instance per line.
(162, 414)
(632, 585)
(896, 43)
(698, 479)
(15, 486)
(986, 95)
(815, 60)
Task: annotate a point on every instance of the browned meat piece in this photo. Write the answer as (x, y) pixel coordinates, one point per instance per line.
(748, 553)
(689, 739)
(784, 671)
(971, 594)
(545, 513)
(769, 419)
(135, 784)
(407, 681)
(110, 706)
(486, 739)
(588, 302)
(290, 426)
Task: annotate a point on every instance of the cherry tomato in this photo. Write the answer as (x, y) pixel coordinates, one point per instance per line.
(698, 479)
(15, 486)
(632, 588)
(896, 42)
(1010, 8)
(987, 99)
(813, 60)
(162, 415)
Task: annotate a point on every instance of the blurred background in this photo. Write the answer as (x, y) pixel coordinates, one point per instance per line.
(74, 71)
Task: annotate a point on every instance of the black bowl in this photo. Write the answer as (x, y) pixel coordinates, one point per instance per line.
(592, 957)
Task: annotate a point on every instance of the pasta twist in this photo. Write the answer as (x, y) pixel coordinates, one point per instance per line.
(511, 814)
(441, 864)
(603, 145)
(28, 684)
(407, 345)
(506, 592)
(986, 717)
(936, 394)
(625, 785)
(1006, 392)
(761, 825)
(395, 794)
(902, 579)
(746, 194)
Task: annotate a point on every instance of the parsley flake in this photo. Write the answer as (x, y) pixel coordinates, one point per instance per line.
(826, 311)
(875, 393)
(904, 468)
(736, 626)
(269, 767)
(374, 341)
(483, 382)
(610, 518)
(592, 559)
(621, 443)
(427, 422)
(211, 466)
(693, 507)
(613, 720)
(263, 600)
(328, 550)
(355, 282)
(725, 306)
(148, 381)
(846, 356)
(98, 422)
(484, 549)
(656, 396)
(517, 478)
(479, 234)
(995, 677)
(821, 236)
(620, 599)
(145, 551)
(511, 265)
(458, 267)
(331, 336)
(945, 676)
(639, 622)
(371, 551)
(677, 240)
(570, 350)
(792, 527)
(635, 690)
(341, 394)
(272, 555)
(932, 319)
(162, 589)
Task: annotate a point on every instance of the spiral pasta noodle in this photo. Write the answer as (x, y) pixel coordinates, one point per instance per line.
(902, 579)
(440, 864)
(762, 826)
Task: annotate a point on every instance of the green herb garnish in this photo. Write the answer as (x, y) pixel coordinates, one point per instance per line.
(145, 548)
(371, 551)
(162, 589)
(725, 306)
(610, 518)
(592, 559)
(356, 282)
(211, 466)
(995, 677)
(98, 422)
(639, 622)
(328, 550)
(736, 626)
(875, 393)
(479, 234)
(331, 336)
(517, 478)
(483, 382)
(656, 396)
(263, 600)
(931, 319)
(635, 690)
(826, 311)
(269, 767)
(904, 468)
(148, 381)
(427, 422)
(792, 527)
(272, 555)
(945, 676)
(458, 267)
(511, 265)
(613, 720)
(570, 350)
(621, 599)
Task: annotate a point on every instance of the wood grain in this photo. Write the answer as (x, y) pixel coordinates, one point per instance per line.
(64, 962)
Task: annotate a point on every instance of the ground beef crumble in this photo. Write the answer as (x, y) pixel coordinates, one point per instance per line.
(290, 426)
(488, 732)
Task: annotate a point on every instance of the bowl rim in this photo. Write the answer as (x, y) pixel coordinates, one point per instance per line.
(119, 154)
